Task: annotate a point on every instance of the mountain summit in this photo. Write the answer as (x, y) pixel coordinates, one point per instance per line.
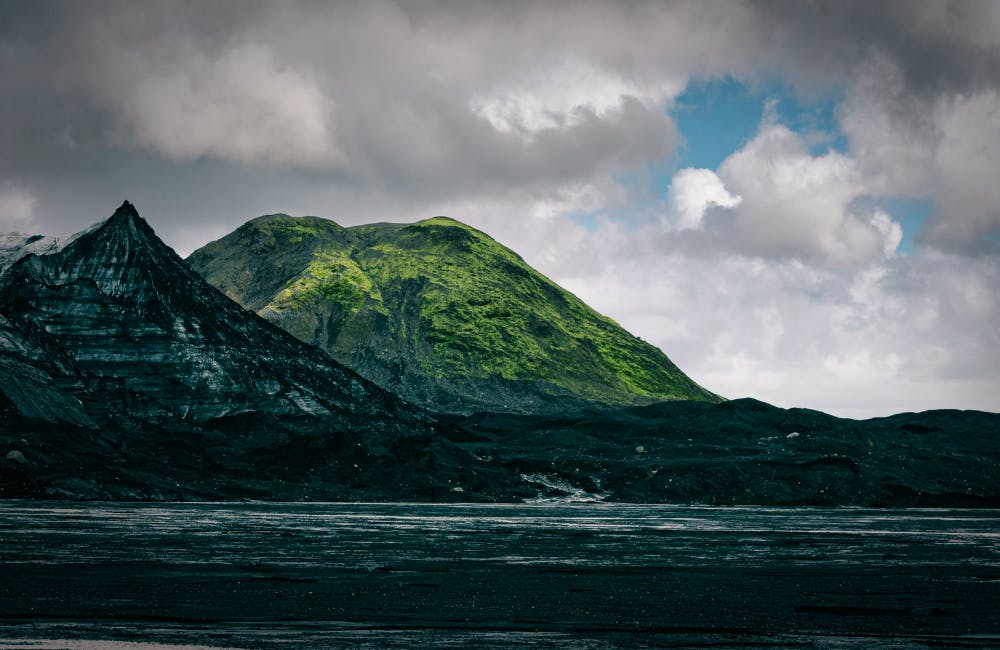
(438, 313)
(116, 302)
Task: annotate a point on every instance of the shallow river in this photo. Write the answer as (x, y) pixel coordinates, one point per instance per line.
(286, 575)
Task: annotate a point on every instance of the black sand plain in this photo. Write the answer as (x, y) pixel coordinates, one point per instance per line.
(543, 575)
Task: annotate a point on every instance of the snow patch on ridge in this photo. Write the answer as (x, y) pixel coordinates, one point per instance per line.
(15, 245)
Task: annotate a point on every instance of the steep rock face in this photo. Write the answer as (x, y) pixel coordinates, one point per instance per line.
(120, 312)
(27, 389)
(438, 313)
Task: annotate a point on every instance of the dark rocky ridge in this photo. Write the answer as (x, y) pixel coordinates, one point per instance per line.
(748, 452)
(123, 375)
(127, 375)
(117, 303)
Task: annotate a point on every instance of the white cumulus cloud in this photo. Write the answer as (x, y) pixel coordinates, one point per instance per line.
(798, 204)
(910, 332)
(942, 148)
(691, 193)
(563, 95)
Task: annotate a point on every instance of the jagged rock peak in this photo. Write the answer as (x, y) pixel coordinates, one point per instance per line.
(126, 210)
(125, 240)
(120, 304)
(125, 226)
(127, 217)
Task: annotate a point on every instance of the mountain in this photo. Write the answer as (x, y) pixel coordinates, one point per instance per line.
(124, 375)
(438, 313)
(113, 352)
(118, 303)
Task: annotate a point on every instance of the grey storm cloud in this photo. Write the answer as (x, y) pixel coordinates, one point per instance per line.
(360, 95)
(383, 95)
(940, 45)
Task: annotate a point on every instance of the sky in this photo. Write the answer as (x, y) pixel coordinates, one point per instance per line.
(797, 201)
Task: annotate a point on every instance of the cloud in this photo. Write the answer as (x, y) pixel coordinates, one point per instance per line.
(691, 193)
(906, 333)
(563, 96)
(432, 156)
(240, 105)
(17, 209)
(773, 198)
(938, 46)
(381, 96)
(944, 148)
(891, 131)
(892, 232)
(424, 99)
(965, 191)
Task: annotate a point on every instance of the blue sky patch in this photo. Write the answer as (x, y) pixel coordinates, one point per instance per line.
(715, 119)
(718, 117)
(911, 215)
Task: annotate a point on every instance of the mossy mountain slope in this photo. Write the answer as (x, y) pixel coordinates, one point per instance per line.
(438, 313)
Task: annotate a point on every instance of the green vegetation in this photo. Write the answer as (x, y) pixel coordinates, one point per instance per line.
(331, 277)
(435, 303)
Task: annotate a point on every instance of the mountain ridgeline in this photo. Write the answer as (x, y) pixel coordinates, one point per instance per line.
(125, 375)
(440, 314)
(117, 302)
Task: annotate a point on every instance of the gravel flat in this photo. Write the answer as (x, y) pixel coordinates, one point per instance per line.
(93, 575)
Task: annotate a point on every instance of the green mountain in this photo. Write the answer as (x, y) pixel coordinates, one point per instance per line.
(438, 313)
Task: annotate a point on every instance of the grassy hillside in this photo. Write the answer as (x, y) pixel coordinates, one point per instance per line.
(438, 312)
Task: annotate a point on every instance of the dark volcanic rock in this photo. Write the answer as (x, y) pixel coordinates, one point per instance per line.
(27, 390)
(131, 377)
(119, 306)
(748, 452)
